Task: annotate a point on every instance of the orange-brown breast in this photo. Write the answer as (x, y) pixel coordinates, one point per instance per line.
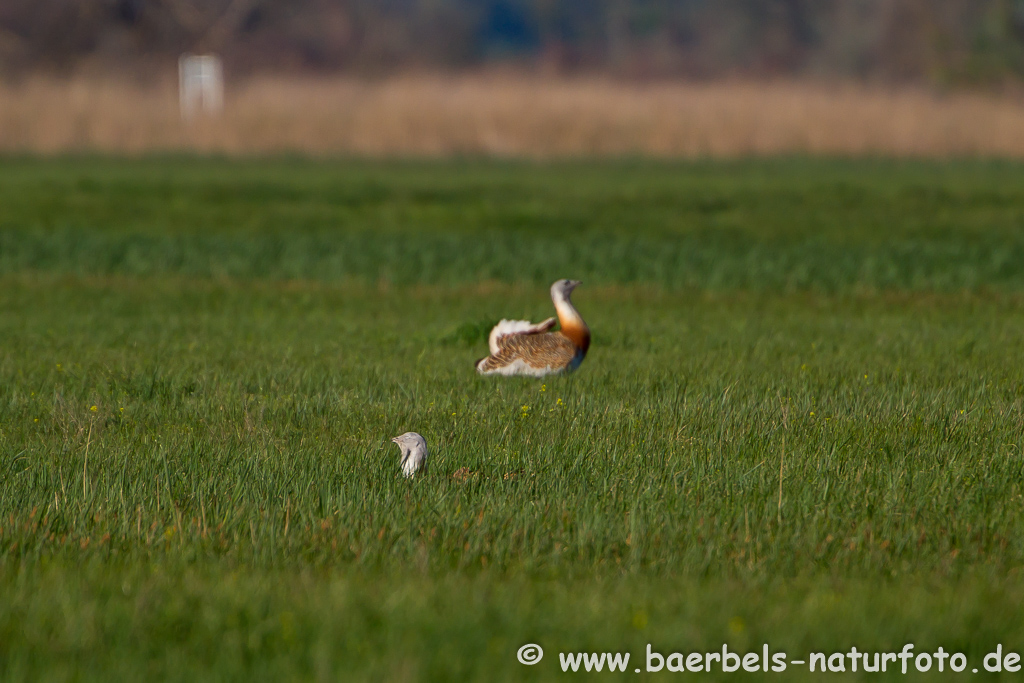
(578, 333)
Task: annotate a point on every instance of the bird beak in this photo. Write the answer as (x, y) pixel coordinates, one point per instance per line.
(573, 284)
(394, 439)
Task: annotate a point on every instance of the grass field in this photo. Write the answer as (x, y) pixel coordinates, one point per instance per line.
(800, 422)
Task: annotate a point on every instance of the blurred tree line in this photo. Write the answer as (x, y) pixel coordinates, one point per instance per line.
(939, 41)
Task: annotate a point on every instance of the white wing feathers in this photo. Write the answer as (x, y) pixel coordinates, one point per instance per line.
(507, 327)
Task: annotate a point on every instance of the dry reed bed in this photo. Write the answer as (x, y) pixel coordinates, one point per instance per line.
(530, 117)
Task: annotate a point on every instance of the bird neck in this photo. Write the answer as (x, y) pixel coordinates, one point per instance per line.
(572, 323)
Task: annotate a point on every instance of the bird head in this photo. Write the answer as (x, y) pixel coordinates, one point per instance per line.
(561, 289)
(409, 439)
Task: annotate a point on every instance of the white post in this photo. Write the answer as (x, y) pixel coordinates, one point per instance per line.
(200, 85)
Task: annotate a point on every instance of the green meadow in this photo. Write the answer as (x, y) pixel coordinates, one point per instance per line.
(800, 423)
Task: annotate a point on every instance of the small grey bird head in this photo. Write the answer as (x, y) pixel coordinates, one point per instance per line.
(414, 452)
(561, 289)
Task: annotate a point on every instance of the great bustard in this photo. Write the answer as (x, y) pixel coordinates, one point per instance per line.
(519, 347)
(414, 453)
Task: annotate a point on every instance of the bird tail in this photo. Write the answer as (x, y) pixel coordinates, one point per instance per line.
(507, 327)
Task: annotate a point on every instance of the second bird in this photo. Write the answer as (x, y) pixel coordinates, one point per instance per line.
(414, 452)
(519, 347)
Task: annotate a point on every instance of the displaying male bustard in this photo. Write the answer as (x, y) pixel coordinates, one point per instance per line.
(519, 347)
